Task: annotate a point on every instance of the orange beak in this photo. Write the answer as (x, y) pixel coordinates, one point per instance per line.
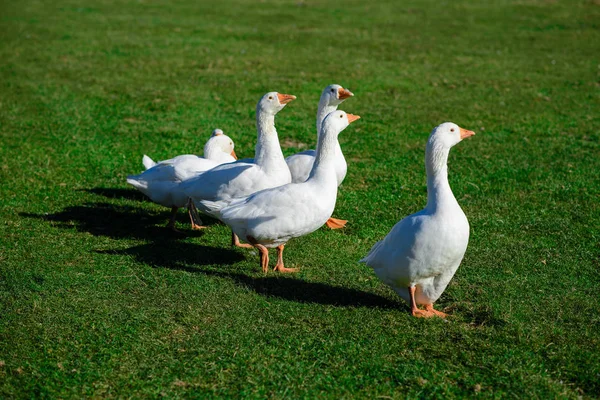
(352, 118)
(343, 94)
(465, 133)
(285, 98)
(233, 154)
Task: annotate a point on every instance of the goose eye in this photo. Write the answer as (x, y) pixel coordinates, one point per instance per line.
(451, 129)
(341, 116)
(332, 90)
(270, 97)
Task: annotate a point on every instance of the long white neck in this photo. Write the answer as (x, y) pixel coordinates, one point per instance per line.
(268, 151)
(324, 166)
(439, 193)
(324, 109)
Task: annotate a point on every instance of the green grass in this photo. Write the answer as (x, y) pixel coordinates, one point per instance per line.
(98, 299)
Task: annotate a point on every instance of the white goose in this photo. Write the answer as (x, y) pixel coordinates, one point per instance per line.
(420, 255)
(300, 164)
(161, 181)
(271, 217)
(240, 179)
(213, 150)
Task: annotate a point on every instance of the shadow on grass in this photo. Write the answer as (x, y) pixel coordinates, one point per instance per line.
(192, 257)
(166, 251)
(117, 193)
(480, 315)
(180, 256)
(301, 291)
(118, 221)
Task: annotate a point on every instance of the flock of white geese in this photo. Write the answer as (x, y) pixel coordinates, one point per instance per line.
(268, 200)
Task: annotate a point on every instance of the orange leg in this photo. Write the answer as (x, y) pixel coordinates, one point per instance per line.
(235, 241)
(429, 307)
(334, 223)
(279, 267)
(171, 223)
(194, 217)
(416, 312)
(264, 257)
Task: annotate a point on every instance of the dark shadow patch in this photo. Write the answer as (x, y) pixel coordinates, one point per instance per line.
(118, 193)
(191, 257)
(301, 291)
(165, 250)
(180, 256)
(119, 221)
(477, 315)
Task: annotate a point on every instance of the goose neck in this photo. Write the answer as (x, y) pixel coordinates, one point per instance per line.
(438, 189)
(324, 165)
(322, 111)
(268, 150)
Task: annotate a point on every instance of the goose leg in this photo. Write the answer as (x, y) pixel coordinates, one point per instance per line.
(334, 223)
(279, 267)
(429, 307)
(415, 311)
(194, 217)
(235, 241)
(264, 257)
(171, 223)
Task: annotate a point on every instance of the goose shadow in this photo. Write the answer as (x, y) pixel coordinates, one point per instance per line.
(179, 256)
(479, 315)
(189, 257)
(117, 193)
(118, 221)
(301, 291)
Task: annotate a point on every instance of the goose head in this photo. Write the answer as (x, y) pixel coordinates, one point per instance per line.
(219, 144)
(216, 132)
(337, 121)
(334, 95)
(448, 134)
(273, 102)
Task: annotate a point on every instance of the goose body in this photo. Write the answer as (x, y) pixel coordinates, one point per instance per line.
(271, 217)
(214, 150)
(223, 184)
(422, 252)
(300, 164)
(161, 182)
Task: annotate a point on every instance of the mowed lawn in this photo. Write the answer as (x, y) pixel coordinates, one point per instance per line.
(99, 299)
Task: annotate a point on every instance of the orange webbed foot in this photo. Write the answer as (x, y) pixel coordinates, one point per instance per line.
(198, 227)
(284, 270)
(429, 308)
(279, 266)
(422, 313)
(334, 223)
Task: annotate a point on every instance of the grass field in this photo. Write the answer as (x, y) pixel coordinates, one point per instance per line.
(98, 299)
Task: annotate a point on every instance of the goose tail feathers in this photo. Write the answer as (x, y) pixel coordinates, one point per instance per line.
(148, 162)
